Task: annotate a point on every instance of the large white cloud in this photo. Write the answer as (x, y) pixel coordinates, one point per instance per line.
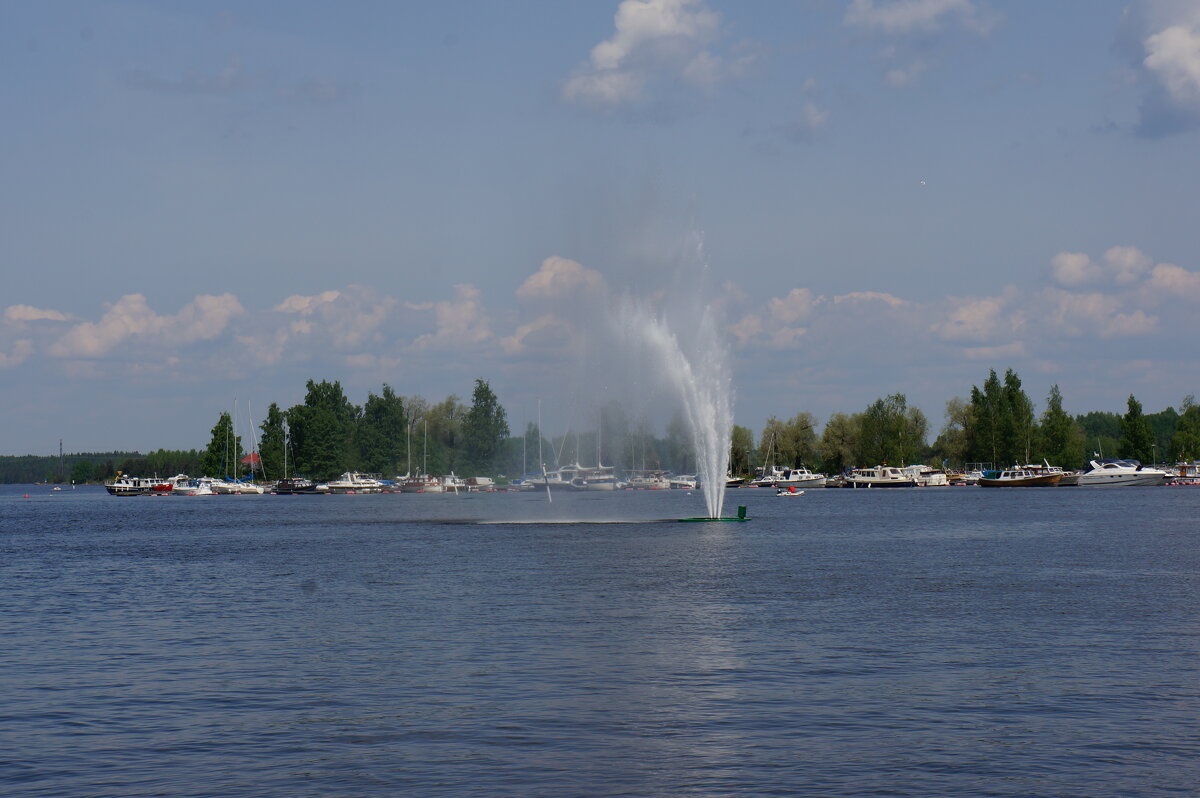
(558, 277)
(1173, 57)
(131, 318)
(979, 320)
(651, 38)
(1123, 265)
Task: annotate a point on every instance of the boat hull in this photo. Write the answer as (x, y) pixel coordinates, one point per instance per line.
(1039, 481)
(1120, 480)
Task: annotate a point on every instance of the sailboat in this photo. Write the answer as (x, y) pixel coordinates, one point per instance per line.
(292, 486)
(423, 482)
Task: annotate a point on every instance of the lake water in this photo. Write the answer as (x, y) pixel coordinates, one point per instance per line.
(953, 641)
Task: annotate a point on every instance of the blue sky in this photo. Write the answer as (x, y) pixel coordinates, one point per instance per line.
(207, 201)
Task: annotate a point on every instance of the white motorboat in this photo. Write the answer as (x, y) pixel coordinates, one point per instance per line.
(649, 480)
(881, 476)
(453, 484)
(1121, 472)
(683, 482)
(125, 485)
(799, 478)
(352, 482)
(927, 476)
(767, 476)
(598, 478)
(183, 485)
(788, 492)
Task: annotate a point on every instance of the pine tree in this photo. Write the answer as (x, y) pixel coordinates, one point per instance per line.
(270, 446)
(484, 428)
(1061, 438)
(224, 452)
(1137, 439)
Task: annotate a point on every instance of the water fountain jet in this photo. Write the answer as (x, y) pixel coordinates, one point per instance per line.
(698, 371)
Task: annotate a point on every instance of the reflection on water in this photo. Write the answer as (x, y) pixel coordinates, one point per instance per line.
(941, 641)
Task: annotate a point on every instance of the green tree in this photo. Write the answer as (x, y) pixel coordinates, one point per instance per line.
(382, 434)
(443, 426)
(1163, 424)
(839, 442)
(83, 471)
(740, 446)
(952, 442)
(891, 432)
(1101, 431)
(1018, 425)
(987, 411)
(1185, 445)
(1061, 438)
(1137, 439)
(794, 441)
(322, 431)
(484, 428)
(270, 445)
(224, 451)
(1002, 430)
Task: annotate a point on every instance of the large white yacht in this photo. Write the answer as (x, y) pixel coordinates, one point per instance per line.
(1121, 472)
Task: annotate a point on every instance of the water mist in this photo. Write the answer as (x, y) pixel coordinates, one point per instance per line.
(697, 369)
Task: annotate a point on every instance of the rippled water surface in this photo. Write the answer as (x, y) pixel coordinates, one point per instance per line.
(951, 641)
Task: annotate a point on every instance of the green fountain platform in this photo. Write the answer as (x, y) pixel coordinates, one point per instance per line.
(741, 517)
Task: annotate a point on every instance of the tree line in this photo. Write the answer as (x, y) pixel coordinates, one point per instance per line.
(389, 434)
(997, 425)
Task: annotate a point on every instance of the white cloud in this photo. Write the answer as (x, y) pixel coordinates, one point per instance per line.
(871, 296)
(747, 329)
(1173, 57)
(306, 304)
(559, 277)
(461, 322)
(1079, 315)
(22, 313)
(979, 320)
(1175, 281)
(796, 305)
(1127, 264)
(651, 37)
(916, 16)
(1074, 268)
(130, 317)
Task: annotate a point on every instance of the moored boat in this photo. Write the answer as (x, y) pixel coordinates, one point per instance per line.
(125, 485)
(798, 478)
(1020, 477)
(422, 483)
(1112, 472)
(881, 476)
(295, 486)
(352, 482)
